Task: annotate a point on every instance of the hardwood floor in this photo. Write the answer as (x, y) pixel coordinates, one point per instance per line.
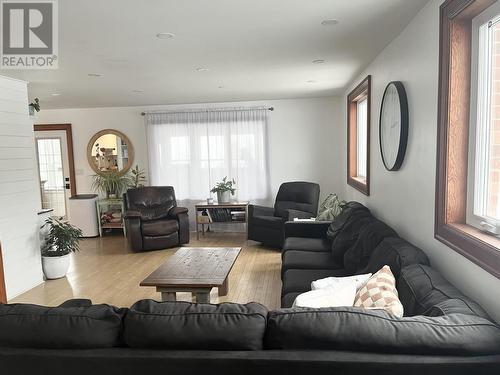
(106, 271)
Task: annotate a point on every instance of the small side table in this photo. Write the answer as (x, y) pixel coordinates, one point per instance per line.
(110, 205)
(231, 212)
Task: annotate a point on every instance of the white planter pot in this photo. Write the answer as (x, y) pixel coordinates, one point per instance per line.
(55, 267)
(223, 196)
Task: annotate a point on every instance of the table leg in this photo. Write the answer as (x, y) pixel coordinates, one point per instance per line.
(168, 296)
(203, 297)
(224, 288)
(197, 230)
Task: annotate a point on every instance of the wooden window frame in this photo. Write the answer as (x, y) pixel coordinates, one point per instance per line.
(452, 142)
(360, 91)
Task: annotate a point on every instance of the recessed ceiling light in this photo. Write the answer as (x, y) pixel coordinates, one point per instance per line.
(311, 81)
(137, 91)
(318, 61)
(202, 69)
(330, 22)
(165, 35)
(55, 94)
(94, 75)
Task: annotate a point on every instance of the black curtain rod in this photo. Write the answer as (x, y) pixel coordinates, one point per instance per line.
(243, 109)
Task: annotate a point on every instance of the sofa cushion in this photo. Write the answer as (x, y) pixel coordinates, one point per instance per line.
(267, 221)
(308, 260)
(380, 292)
(349, 328)
(396, 253)
(300, 280)
(309, 244)
(73, 325)
(153, 202)
(288, 299)
(155, 228)
(327, 297)
(357, 256)
(423, 291)
(336, 282)
(189, 326)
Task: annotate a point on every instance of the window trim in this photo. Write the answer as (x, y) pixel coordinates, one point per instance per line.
(479, 142)
(452, 141)
(359, 92)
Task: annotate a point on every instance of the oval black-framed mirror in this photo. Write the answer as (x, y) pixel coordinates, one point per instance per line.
(393, 125)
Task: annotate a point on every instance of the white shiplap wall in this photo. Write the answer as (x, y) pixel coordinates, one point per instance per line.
(19, 195)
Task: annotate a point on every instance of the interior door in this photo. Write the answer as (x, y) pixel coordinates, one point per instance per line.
(54, 171)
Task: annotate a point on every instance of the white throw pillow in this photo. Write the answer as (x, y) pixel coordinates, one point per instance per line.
(339, 282)
(327, 297)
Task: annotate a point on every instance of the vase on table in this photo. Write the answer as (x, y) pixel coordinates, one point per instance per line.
(223, 196)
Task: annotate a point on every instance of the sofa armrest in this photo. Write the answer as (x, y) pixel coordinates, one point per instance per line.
(254, 210)
(292, 214)
(130, 214)
(306, 229)
(133, 221)
(77, 302)
(176, 211)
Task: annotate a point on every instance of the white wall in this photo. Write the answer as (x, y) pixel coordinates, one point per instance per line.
(19, 190)
(301, 132)
(405, 199)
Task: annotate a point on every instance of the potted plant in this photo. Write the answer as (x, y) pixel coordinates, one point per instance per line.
(111, 184)
(34, 106)
(61, 240)
(224, 190)
(137, 177)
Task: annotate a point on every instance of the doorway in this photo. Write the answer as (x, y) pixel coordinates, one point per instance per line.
(56, 170)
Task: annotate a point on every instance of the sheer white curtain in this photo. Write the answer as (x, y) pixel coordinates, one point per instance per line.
(193, 150)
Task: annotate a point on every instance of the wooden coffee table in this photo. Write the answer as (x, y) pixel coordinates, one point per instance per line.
(196, 270)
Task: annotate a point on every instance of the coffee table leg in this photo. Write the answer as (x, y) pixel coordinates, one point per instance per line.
(203, 297)
(168, 296)
(224, 288)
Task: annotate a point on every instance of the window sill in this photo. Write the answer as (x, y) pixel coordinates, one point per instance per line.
(359, 183)
(489, 239)
(477, 246)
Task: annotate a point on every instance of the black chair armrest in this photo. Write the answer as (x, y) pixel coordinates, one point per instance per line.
(306, 229)
(292, 214)
(132, 215)
(176, 211)
(254, 210)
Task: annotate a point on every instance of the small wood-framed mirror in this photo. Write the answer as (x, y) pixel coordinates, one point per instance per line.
(110, 151)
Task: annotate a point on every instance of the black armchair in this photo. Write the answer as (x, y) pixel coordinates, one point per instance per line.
(153, 220)
(294, 200)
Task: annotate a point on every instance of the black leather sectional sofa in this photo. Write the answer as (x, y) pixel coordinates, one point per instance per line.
(184, 338)
(442, 332)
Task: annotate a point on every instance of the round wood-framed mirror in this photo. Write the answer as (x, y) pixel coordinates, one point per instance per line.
(110, 150)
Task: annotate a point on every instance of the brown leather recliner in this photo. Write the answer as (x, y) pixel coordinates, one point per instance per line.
(153, 220)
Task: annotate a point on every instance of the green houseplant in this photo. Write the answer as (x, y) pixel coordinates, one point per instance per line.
(224, 189)
(137, 177)
(111, 184)
(34, 106)
(60, 241)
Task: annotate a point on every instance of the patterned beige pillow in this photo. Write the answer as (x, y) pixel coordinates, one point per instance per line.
(380, 292)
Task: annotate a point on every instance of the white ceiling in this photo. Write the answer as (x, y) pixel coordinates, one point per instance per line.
(255, 49)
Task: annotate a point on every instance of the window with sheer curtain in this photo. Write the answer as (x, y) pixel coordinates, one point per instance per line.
(193, 150)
